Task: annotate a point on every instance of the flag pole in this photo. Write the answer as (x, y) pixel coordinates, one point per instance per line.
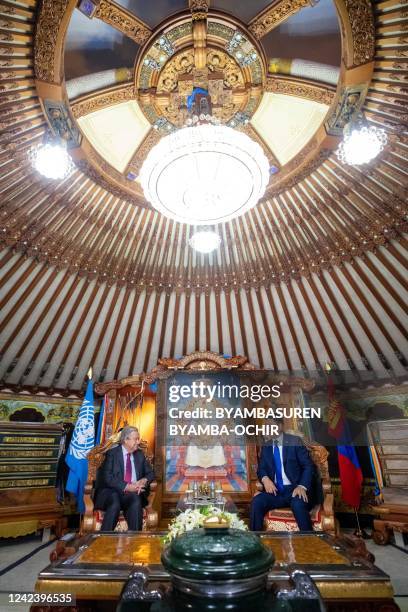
(360, 533)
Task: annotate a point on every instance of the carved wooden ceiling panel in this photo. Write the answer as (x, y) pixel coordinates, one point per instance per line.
(316, 273)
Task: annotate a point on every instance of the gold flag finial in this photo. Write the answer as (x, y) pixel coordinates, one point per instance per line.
(89, 374)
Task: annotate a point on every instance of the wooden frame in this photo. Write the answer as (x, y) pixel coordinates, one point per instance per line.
(199, 361)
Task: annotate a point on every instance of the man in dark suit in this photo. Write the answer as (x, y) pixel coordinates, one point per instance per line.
(123, 482)
(288, 475)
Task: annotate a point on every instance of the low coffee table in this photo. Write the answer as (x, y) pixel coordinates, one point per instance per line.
(99, 565)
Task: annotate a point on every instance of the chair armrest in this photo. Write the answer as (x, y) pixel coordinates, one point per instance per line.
(152, 495)
(328, 504)
(259, 486)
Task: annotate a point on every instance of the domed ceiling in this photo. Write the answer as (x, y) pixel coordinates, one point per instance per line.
(315, 273)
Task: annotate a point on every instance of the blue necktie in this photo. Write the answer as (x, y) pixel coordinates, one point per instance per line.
(278, 466)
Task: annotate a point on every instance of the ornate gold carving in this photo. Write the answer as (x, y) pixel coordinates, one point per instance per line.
(46, 39)
(19, 454)
(25, 468)
(362, 28)
(204, 360)
(35, 482)
(221, 75)
(116, 16)
(350, 102)
(140, 154)
(199, 5)
(218, 61)
(102, 100)
(180, 64)
(300, 89)
(252, 133)
(272, 17)
(27, 440)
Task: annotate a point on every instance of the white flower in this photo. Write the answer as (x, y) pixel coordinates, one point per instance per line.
(193, 519)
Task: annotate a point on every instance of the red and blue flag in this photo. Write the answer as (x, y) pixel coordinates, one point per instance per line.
(351, 476)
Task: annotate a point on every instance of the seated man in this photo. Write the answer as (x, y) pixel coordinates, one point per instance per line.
(122, 482)
(286, 472)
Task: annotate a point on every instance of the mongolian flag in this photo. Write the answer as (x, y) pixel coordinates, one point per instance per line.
(351, 476)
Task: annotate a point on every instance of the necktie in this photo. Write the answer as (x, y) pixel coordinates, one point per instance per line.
(128, 470)
(278, 466)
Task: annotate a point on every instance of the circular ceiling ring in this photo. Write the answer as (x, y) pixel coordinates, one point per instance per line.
(357, 33)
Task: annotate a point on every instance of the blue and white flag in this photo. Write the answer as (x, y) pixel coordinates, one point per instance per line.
(81, 443)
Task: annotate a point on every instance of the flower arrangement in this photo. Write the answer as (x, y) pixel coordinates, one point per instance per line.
(194, 518)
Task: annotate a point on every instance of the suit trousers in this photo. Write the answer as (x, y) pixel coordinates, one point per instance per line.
(263, 502)
(112, 502)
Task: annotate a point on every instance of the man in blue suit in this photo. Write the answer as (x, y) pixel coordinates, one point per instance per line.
(287, 473)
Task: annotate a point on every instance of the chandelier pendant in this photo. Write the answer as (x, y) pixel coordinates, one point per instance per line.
(204, 173)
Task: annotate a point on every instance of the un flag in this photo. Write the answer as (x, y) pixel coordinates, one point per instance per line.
(83, 439)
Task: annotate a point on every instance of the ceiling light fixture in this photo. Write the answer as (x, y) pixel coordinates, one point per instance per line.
(204, 173)
(361, 143)
(51, 158)
(205, 241)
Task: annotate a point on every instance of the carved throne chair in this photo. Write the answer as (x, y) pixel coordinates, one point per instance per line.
(322, 515)
(92, 519)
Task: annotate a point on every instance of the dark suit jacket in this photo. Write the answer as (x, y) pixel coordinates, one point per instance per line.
(298, 466)
(112, 472)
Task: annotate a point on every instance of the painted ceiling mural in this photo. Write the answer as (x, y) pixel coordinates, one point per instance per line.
(315, 273)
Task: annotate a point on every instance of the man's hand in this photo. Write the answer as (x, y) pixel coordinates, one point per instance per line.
(140, 485)
(300, 491)
(269, 486)
(136, 487)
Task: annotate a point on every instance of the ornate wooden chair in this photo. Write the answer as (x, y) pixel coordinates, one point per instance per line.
(92, 519)
(322, 515)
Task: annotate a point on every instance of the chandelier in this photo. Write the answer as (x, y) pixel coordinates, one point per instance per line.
(205, 241)
(204, 173)
(51, 158)
(361, 143)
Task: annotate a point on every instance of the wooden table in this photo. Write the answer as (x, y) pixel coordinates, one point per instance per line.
(98, 566)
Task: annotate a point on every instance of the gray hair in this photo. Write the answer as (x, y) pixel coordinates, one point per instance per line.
(125, 433)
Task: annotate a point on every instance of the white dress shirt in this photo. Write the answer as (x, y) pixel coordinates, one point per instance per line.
(132, 463)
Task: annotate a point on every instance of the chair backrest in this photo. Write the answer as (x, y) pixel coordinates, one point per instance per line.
(319, 455)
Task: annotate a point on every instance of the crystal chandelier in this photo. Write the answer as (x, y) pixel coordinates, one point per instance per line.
(205, 241)
(204, 173)
(361, 143)
(51, 158)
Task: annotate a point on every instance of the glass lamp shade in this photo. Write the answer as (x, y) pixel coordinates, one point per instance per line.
(361, 144)
(51, 159)
(204, 174)
(205, 241)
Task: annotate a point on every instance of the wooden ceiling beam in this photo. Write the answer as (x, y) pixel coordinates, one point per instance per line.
(152, 330)
(142, 322)
(126, 336)
(186, 323)
(63, 331)
(345, 320)
(267, 329)
(269, 19)
(119, 18)
(278, 326)
(230, 322)
(44, 311)
(255, 331)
